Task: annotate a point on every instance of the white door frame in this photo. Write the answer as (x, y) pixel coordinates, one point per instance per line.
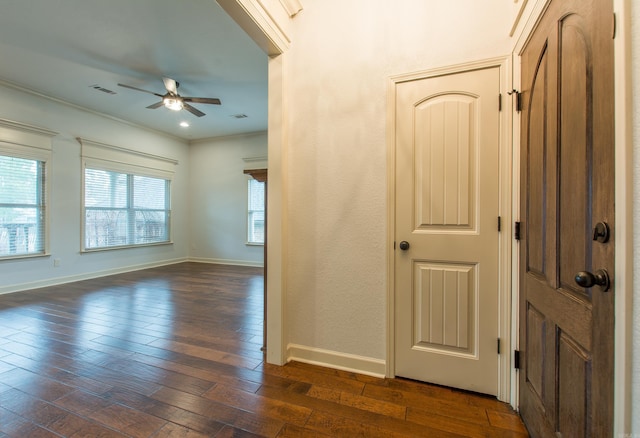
(505, 212)
(624, 363)
(268, 24)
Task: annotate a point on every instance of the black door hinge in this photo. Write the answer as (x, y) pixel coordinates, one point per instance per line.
(500, 102)
(516, 232)
(499, 224)
(516, 359)
(498, 345)
(518, 99)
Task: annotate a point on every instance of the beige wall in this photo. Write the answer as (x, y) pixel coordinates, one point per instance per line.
(218, 199)
(635, 31)
(342, 56)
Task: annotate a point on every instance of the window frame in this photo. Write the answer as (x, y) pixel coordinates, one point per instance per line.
(130, 212)
(30, 142)
(249, 212)
(43, 192)
(100, 156)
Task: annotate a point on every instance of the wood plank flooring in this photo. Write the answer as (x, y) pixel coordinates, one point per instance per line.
(175, 352)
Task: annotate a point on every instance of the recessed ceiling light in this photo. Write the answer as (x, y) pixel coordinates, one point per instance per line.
(184, 124)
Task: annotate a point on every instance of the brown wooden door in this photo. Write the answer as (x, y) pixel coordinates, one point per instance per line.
(566, 331)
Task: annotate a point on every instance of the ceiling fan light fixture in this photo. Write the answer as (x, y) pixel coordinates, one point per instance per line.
(173, 103)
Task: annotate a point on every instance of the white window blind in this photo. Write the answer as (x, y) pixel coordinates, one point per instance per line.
(22, 206)
(25, 152)
(127, 197)
(255, 219)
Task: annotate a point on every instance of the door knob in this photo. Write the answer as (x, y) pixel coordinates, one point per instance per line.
(587, 279)
(404, 245)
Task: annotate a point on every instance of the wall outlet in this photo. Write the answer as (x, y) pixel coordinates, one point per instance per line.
(56, 263)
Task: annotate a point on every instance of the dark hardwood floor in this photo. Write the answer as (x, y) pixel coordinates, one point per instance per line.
(175, 352)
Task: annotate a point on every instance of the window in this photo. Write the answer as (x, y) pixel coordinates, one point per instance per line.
(123, 209)
(255, 228)
(126, 197)
(22, 206)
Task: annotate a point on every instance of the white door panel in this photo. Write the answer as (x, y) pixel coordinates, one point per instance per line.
(447, 203)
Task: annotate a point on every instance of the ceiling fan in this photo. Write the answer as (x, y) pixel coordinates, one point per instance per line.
(173, 100)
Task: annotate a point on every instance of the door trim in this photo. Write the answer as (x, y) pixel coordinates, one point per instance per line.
(505, 370)
(624, 203)
(269, 26)
(624, 366)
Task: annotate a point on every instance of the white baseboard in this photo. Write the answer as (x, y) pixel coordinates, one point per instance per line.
(97, 274)
(226, 262)
(86, 276)
(334, 359)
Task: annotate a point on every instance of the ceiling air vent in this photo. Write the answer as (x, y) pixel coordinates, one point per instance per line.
(104, 90)
(239, 116)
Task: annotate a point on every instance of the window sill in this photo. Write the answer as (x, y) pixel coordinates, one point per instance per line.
(111, 248)
(254, 244)
(24, 256)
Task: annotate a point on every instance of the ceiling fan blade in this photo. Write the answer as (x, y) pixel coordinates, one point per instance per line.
(192, 110)
(171, 86)
(156, 105)
(140, 89)
(212, 100)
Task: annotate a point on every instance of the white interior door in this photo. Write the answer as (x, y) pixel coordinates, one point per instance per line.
(447, 204)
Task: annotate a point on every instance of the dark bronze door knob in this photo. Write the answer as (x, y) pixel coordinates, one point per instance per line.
(600, 278)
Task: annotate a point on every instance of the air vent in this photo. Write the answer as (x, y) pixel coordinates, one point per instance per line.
(239, 116)
(104, 90)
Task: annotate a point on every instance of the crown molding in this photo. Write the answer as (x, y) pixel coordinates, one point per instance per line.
(86, 144)
(17, 126)
(291, 6)
(265, 21)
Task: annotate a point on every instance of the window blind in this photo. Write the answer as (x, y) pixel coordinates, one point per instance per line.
(22, 206)
(124, 209)
(25, 152)
(126, 197)
(256, 219)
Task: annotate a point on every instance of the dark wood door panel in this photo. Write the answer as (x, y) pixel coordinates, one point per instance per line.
(535, 374)
(558, 305)
(535, 203)
(574, 389)
(567, 172)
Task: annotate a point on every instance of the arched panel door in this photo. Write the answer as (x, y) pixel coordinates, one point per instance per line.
(566, 305)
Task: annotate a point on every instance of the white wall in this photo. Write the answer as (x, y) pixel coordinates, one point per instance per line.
(65, 172)
(219, 223)
(339, 63)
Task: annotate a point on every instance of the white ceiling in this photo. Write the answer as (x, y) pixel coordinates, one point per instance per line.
(61, 48)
